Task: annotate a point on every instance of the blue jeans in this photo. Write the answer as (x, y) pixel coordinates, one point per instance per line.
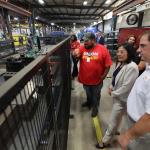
(93, 93)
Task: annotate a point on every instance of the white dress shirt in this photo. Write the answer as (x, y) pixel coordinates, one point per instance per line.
(138, 102)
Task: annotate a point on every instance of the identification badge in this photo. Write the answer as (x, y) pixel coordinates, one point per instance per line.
(88, 59)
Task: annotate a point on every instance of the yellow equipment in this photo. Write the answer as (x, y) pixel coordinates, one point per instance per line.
(98, 129)
(16, 39)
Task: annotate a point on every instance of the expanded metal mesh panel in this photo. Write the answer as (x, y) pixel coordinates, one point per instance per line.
(37, 111)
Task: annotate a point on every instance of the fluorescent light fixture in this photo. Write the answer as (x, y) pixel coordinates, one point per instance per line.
(108, 2)
(41, 1)
(123, 12)
(94, 23)
(108, 16)
(85, 3)
(100, 21)
(37, 17)
(52, 24)
(15, 18)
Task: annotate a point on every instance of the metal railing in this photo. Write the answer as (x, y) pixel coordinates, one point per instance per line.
(35, 103)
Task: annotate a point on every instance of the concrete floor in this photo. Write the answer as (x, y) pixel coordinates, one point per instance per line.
(81, 135)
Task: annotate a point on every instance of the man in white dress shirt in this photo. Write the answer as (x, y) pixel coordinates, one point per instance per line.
(137, 137)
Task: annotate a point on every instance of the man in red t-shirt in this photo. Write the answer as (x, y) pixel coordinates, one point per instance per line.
(95, 62)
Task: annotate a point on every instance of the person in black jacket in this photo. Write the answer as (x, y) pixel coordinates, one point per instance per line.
(100, 38)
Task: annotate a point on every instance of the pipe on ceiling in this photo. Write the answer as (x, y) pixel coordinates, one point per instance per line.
(14, 8)
(127, 6)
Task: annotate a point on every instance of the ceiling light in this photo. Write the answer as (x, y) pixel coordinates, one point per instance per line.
(41, 1)
(15, 18)
(37, 17)
(94, 23)
(85, 3)
(108, 2)
(52, 24)
(108, 16)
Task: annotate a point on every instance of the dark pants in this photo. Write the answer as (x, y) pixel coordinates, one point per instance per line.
(93, 93)
(75, 67)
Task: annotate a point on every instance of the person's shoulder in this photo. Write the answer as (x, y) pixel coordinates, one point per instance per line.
(82, 47)
(78, 41)
(133, 65)
(101, 47)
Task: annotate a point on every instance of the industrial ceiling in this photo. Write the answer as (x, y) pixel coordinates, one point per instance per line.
(71, 11)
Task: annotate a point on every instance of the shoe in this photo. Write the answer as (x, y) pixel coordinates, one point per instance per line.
(71, 116)
(107, 139)
(99, 146)
(86, 104)
(117, 133)
(94, 112)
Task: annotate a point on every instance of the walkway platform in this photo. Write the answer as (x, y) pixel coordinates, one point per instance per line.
(81, 135)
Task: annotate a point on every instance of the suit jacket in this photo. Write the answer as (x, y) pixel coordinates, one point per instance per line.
(124, 81)
(100, 40)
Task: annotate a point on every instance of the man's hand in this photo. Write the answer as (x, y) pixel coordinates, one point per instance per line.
(124, 140)
(109, 91)
(76, 53)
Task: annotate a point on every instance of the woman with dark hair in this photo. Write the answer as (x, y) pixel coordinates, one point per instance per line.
(74, 45)
(124, 76)
(137, 58)
(132, 40)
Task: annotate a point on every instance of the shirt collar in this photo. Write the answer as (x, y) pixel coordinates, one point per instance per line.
(147, 66)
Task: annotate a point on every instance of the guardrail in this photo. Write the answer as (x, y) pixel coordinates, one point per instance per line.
(35, 103)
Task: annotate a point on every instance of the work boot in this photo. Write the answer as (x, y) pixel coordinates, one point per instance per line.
(86, 104)
(94, 112)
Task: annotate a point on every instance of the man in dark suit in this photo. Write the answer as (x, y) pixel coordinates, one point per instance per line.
(100, 38)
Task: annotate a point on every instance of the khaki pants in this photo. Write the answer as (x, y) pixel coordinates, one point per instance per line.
(118, 110)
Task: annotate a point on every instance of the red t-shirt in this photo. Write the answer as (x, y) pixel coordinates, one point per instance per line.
(75, 44)
(93, 63)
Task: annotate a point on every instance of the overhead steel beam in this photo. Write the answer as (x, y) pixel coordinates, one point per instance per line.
(69, 6)
(56, 5)
(100, 6)
(14, 8)
(127, 6)
(67, 18)
(109, 9)
(65, 7)
(74, 6)
(69, 14)
(83, 21)
(91, 6)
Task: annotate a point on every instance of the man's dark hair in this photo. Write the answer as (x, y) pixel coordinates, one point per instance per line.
(74, 36)
(89, 36)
